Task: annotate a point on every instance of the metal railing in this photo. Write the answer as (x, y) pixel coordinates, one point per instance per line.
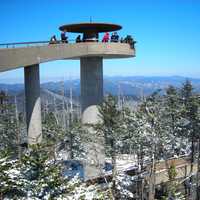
(30, 44)
(41, 43)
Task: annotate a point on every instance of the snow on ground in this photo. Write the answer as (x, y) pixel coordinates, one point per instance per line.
(124, 162)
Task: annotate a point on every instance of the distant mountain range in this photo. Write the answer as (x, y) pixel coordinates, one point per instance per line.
(49, 100)
(130, 86)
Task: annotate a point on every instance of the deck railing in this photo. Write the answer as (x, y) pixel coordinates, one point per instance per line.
(29, 44)
(40, 43)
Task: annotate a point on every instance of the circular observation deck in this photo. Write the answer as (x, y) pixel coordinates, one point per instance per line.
(90, 27)
(90, 31)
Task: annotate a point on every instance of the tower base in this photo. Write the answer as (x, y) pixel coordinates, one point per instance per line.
(91, 97)
(33, 104)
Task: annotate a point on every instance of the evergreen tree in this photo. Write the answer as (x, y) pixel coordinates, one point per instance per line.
(172, 120)
(9, 126)
(111, 127)
(44, 176)
(35, 177)
(186, 92)
(10, 185)
(191, 116)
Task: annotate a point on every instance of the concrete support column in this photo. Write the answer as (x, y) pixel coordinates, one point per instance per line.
(91, 82)
(91, 96)
(33, 103)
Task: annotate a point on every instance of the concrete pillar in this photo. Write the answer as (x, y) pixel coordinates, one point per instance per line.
(91, 82)
(33, 103)
(91, 96)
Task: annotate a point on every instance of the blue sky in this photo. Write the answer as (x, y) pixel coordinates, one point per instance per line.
(167, 32)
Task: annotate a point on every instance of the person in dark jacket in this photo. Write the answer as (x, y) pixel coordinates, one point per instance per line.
(64, 37)
(114, 37)
(53, 40)
(122, 40)
(78, 39)
(130, 41)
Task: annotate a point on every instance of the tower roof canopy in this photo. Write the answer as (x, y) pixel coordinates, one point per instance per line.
(90, 27)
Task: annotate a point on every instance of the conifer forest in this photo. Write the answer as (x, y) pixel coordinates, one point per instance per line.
(152, 149)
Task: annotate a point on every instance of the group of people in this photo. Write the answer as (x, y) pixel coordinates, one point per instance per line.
(128, 39)
(106, 38)
(64, 38)
(115, 38)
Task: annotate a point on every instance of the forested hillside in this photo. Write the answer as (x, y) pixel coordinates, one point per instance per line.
(161, 130)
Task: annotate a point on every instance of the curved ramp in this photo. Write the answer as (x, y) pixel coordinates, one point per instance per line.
(11, 58)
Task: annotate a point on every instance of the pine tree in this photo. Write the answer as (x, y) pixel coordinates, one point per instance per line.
(110, 126)
(44, 176)
(10, 185)
(9, 126)
(151, 110)
(75, 138)
(191, 115)
(172, 123)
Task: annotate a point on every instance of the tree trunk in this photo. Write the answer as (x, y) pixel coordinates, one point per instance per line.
(185, 186)
(152, 179)
(141, 157)
(71, 145)
(114, 169)
(141, 194)
(192, 167)
(18, 130)
(198, 172)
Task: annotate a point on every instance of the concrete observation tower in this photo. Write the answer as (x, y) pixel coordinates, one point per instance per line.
(91, 65)
(91, 53)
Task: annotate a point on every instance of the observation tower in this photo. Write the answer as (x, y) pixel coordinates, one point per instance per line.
(91, 52)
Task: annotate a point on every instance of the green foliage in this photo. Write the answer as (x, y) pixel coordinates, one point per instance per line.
(35, 176)
(172, 172)
(160, 126)
(44, 175)
(11, 185)
(111, 123)
(52, 131)
(186, 92)
(75, 138)
(70, 139)
(8, 128)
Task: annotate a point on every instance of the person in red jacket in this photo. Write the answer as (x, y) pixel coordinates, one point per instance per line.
(106, 37)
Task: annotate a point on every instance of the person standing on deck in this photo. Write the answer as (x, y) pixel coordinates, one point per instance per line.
(64, 37)
(106, 37)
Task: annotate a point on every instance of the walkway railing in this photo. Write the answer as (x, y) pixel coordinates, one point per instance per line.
(29, 44)
(38, 43)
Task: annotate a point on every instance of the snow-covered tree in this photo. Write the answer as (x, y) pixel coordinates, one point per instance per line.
(9, 130)
(110, 125)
